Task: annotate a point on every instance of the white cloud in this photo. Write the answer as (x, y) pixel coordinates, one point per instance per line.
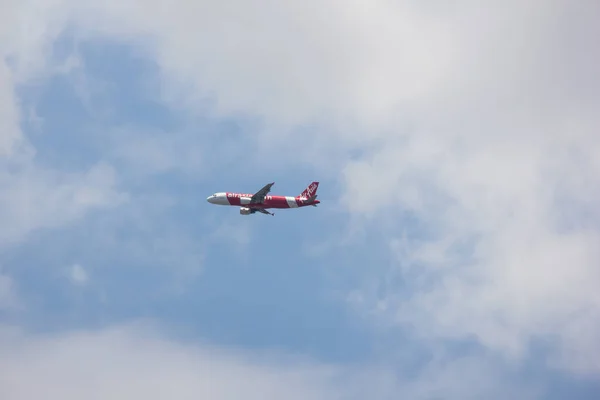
(284, 60)
(149, 152)
(507, 166)
(78, 275)
(135, 361)
(8, 295)
(34, 198)
(9, 114)
(122, 363)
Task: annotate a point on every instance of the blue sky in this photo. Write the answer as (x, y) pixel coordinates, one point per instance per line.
(423, 272)
(186, 258)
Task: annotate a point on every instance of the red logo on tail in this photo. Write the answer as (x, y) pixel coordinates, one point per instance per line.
(310, 190)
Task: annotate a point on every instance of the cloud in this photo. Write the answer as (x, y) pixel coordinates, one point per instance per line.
(283, 61)
(136, 360)
(34, 198)
(123, 362)
(8, 296)
(10, 135)
(78, 275)
(500, 166)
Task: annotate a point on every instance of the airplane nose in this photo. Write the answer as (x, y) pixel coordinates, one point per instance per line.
(210, 199)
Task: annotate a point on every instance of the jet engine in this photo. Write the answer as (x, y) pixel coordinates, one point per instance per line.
(246, 211)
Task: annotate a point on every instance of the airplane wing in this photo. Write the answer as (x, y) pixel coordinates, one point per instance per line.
(259, 196)
(264, 211)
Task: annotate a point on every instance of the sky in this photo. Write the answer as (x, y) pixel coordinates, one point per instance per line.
(454, 254)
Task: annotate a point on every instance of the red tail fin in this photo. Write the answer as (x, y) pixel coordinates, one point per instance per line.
(310, 191)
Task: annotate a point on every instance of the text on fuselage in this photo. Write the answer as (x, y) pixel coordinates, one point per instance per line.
(239, 195)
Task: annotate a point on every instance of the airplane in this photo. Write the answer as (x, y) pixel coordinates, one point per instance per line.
(260, 201)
